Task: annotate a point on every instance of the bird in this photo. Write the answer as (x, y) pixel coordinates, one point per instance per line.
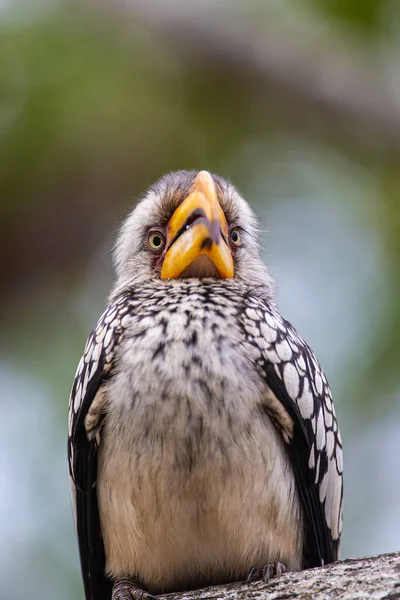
(203, 443)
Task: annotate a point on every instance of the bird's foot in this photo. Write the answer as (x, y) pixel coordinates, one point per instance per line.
(125, 588)
(267, 572)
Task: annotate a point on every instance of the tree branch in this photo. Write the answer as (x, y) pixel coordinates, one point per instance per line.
(376, 577)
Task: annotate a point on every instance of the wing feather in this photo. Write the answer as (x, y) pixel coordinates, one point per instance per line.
(86, 410)
(295, 377)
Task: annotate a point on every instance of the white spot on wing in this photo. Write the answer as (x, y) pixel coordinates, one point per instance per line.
(318, 382)
(268, 333)
(317, 468)
(330, 443)
(339, 459)
(336, 513)
(339, 437)
(100, 335)
(70, 421)
(92, 371)
(328, 419)
(107, 339)
(323, 486)
(96, 353)
(301, 363)
(306, 401)
(270, 320)
(330, 493)
(283, 350)
(85, 381)
(110, 316)
(311, 460)
(77, 400)
(333, 501)
(292, 381)
(273, 357)
(320, 435)
(261, 343)
(252, 314)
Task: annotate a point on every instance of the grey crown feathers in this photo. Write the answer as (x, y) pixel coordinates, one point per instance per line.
(202, 434)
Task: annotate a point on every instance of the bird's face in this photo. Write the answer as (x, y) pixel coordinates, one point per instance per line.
(189, 224)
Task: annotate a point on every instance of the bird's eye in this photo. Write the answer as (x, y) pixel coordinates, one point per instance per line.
(235, 236)
(156, 240)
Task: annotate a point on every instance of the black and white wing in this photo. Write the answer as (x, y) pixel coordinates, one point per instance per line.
(298, 383)
(86, 410)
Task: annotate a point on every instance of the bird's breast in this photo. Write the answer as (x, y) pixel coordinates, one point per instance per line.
(185, 383)
(194, 479)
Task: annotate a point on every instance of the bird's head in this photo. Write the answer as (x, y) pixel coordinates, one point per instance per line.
(190, 224)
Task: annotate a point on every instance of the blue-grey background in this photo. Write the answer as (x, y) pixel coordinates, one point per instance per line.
(298, 103)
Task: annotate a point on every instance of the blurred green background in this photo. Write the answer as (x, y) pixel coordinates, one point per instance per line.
(298, 103)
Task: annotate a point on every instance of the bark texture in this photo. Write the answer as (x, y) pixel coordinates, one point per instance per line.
(352, 579)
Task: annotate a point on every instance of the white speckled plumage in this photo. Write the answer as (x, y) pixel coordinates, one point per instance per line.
(203, 438)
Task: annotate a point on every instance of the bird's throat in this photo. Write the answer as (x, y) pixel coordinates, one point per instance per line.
(201, 267)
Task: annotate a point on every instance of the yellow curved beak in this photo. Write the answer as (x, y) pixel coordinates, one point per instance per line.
(198, 226)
